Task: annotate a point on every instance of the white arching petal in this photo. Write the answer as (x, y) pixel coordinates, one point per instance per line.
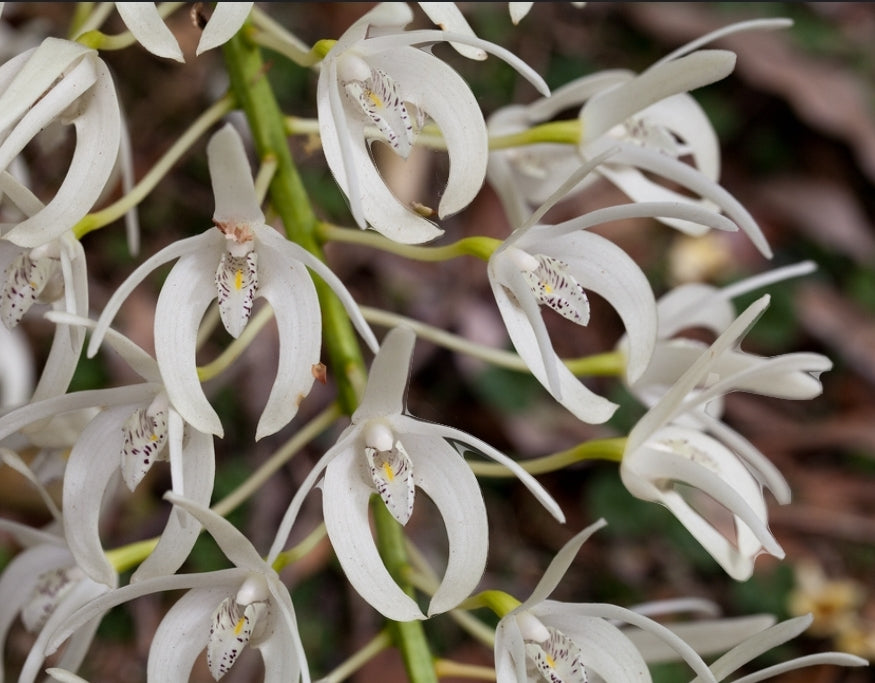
(518, 10)
(187, 292)
(299, 324)
(93, 463)
(98, 135)
(450, 18)
(455, 111)
(147, 26)
(179, 535)
(445, 478)
(346, 491)
(226, 20)
(282, 651)
(510, 651)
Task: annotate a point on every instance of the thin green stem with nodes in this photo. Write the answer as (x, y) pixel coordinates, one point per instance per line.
(597, 449)
(289, 199)
(102, 218)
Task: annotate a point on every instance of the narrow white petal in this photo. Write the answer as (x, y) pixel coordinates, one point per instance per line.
(98, 136)
(450, 18)
(93, 462)
(346, 492)
(445, 478)
(187, 292)
(607, 109)
(210, 241)
(143, 20)
(518, 10)
(510, 652)
(179, 536)
(13, 460)
(226, 20)
(231, 175)
(723, 31)
(818, 659)
(560, 564)
(299, 325)
(387, 379)
(232, 542)
(282, 651)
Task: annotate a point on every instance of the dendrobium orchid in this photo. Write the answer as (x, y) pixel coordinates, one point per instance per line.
(387, 452)
(59, 81)
(375, 85)
(136, 428)
(238, 261)
(223, 612)
(677, 447)
(144, 21)
(554, 265)
(546, 640)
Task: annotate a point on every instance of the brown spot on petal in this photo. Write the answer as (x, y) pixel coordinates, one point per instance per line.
(239, 232)
(300, 399)
(320, 372)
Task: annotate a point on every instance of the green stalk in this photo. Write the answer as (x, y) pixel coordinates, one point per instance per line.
(409, 635)
(289, 199)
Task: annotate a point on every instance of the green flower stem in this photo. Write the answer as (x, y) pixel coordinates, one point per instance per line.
(141, 190)
(89, 16)
(408, 635)
(557, 132)
(303, 548)
(272, 35)
(101, 41)
(372, 648)
(608, 364)
(130, 555)
(598, 449)
(480, 247)
(499, 602)
(289, 199)
(224, 360)
(446, 668)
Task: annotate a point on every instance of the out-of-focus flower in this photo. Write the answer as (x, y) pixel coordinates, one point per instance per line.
(60, 81)
(677, 452)
(555, 641)
(145, 23)
(375, 85)
(554, 265)
(238, 261)
(832, 603)
(391, 453)
(222, 612)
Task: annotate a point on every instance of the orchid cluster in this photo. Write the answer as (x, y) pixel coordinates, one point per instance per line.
(87, 453)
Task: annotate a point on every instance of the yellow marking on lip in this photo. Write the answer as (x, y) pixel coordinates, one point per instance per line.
(372, 96)
(550, 661)
(238, 627)
(238, 279)
(390, 473)
(548, 289)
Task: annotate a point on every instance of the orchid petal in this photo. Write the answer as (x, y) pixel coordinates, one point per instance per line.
(510, 652)
(605, 648)
(77, 649)
(559, 565)
(144, 436)
(226, 20)
(518, 10)
(300, 338)
(208, 241)
(450, 18)
(92, 463)
(346, 491)
(98, 134)
(178, 537)
(821, 658)
(184, 298)
(609, 108)
(452, 487)
(147, 26)
(281, 662)
(231, 176)
(456, 113)
(388, 377)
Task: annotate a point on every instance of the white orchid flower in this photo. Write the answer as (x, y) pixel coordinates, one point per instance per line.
(677, 447)
(554, 266)
(239, 260)
(137, 428)
(53, 273)
(375, 85)
(146, 24)
(222, 612)
(548, 640)
(388, 452)
(43, 586)
(66, 82)
(648, 118)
